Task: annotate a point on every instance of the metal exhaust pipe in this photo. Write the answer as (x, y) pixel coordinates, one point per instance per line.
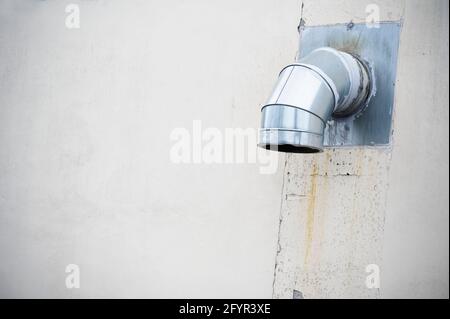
(327, 83)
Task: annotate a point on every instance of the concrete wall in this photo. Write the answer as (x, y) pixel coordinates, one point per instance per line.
(85, 176)
(350, 208)
(86, 179)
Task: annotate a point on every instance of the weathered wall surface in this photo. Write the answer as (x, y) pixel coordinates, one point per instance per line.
(85, 175)
(349, 208)
(85, 120)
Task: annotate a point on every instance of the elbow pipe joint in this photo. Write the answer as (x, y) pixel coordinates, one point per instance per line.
(325, 84)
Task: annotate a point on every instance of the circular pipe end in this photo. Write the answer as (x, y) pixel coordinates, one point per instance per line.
(290, 149)
(283, 141)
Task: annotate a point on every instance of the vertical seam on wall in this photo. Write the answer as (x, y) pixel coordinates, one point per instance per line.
(280, 216)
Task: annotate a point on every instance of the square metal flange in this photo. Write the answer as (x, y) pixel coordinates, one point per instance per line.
(377, 45)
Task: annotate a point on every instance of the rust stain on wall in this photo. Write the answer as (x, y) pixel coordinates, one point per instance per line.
(332, 224)
(310, 212)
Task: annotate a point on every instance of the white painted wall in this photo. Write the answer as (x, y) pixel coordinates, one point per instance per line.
(392, 210)
(85, 176)
(85, 120)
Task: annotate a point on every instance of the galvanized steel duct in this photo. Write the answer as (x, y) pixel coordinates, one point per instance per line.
(327, 83)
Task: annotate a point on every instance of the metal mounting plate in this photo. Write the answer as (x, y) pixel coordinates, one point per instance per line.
(379, 47)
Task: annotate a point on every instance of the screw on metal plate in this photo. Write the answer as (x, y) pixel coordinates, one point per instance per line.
(350, 25)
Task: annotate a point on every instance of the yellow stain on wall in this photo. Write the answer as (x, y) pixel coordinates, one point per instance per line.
(310, 212)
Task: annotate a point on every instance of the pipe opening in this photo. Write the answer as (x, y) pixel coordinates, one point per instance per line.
(291, 149)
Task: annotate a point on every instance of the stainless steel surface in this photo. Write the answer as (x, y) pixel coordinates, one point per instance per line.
(301, 87)
(305, 97)
(379, 48)
(291, 118)
(286, 128)
(347, 73)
